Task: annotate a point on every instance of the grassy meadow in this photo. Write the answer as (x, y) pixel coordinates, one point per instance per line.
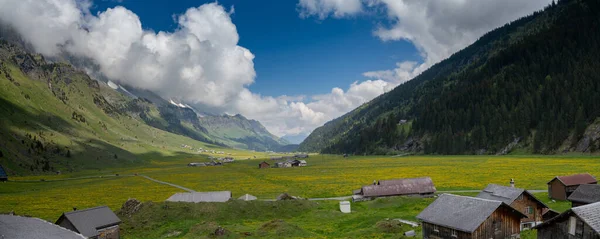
(325, 176)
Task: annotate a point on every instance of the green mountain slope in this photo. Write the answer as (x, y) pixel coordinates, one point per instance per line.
(55, 118)
(241, 132)
(531, 86)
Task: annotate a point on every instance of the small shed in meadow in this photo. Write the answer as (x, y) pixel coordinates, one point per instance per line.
(17, 227)
(220, 196)
(400, 187)
(264, 164)
(301, 156)
(585, 194)
(247, 197)
(97, 222)
(3, 175)
(561, 187)
(345, 207)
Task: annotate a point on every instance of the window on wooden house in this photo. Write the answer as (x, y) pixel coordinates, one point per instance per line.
(528, 210)
(435, 228)
(497, 226)
(520, 197)
(572, 225)
(454, 233)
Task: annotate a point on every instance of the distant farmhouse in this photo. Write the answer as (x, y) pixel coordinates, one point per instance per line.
(398, 187)
(299, 163)
(195, 197)
(264, 164)
(287, 164)
(461, 217)
(196, 164)
(561, 187)
(519, 199)
(17, 227)
(301, 156)
(3, 175)
(585, 194)
(93, 223)
(578, 222)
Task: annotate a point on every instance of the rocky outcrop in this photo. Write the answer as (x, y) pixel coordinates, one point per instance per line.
(590, 141)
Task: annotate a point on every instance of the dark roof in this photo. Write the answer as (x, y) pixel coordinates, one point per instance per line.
(587, 213)
(577, 179)
(505, 194)
(586, 193)
(405, 186)
(88, 221)
(549, 211)
(16, 227)
(460, 212)
(222, 196)
(2, 172)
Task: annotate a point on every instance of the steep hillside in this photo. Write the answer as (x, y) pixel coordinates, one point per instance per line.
(531, 86)
(55, 118)
(241, 132)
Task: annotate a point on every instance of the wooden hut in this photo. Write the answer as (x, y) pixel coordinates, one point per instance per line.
(452, 216)
(561, 187)
(519, 199)
(585, 194)
(30, 227)
(400, 187)
(98, 222)
(264, 164)
(578, 222)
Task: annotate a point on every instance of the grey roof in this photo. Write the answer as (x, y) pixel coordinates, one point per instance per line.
(247, 197)
(222, 196)
(405, 186)
(16, 227)
(88, 221)
(586, 193)
(590, 214)
(460, 212)
(501, 193)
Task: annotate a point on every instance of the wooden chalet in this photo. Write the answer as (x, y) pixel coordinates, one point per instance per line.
(94, 223)
(561, 187)
(264, 164)
(585, 194)
(519, 199)
(578, 222)
(3, 174)
(399, 187)
(461, 217)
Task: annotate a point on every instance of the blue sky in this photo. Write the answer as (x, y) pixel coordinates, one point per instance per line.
(338, 54)
(294, 55)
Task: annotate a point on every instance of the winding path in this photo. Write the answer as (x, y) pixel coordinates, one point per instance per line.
(170, 184)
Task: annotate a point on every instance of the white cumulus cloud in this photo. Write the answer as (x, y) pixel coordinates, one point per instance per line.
(323, 8)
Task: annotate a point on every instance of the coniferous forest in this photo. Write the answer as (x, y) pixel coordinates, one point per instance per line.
(533, 84)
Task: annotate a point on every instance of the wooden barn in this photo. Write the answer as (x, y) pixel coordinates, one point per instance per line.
(548, 214)
(578, 222)
(461, 217)
(264, 165)
(519, 199)
(3, 174)
(561, 187)
(585, 194)
(399, 187)
(95, 223)
(299, 163)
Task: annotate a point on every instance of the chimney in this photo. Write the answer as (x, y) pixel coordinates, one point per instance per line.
(512, 183)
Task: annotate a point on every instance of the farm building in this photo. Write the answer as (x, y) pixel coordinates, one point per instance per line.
(299, 163)
(519, 199)
(561, 187)
(462, 217)
(98, 222)
(548, 214)
(196, 164)
(301, 156)
(3, 175)
(17, 227)
(276, 158)
(578, 222)
(247, 197)
(287, 164)
(399, 187)
(221, 196)
(264, 165)
(585, 194)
